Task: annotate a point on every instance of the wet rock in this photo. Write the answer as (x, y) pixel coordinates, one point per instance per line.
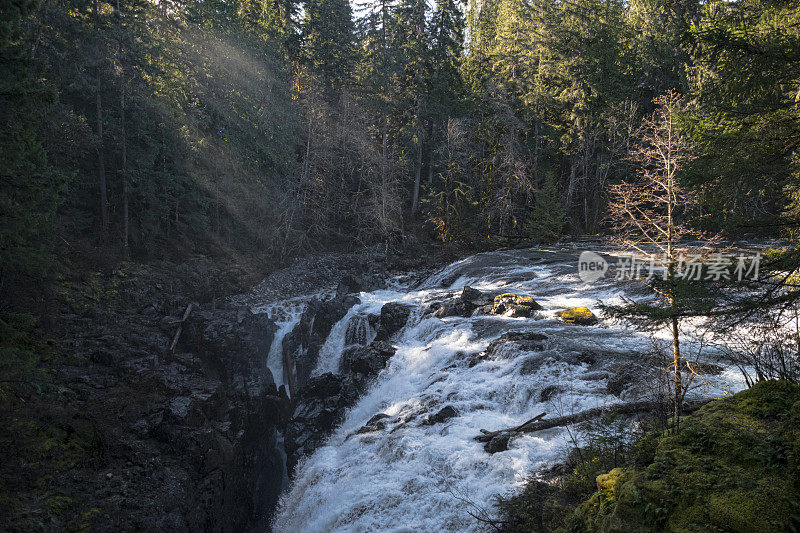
(376, 423)
(510, 344)
(358, 330)
(323, 401)
(355, 283)
(548, 392)
(469, 294)
(531, 365)
(514, 304)
(445, 414)
(499, 443)
(366, 360)
(708, 369)
(581, 316)
(455, 307)
(303, 343)
(394, 316)
(618, 382)
(319, 407)
(475, 297)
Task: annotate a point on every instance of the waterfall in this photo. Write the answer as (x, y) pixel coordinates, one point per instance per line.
(353, 329)
(412, 475)
(286, 314)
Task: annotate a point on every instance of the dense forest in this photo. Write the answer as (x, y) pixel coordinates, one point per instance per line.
(258, 131)
(141, 129)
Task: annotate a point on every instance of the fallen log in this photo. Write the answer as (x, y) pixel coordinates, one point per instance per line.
(536, 424)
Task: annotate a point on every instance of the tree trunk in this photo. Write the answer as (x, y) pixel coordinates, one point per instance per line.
(430, 165)
(417, 164)
(124, 147)
(101, 163)
(417, 175)
(537, 424)
(571, 186)
(676, 360)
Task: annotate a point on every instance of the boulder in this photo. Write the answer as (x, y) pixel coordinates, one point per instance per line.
(511, 343)
(548, 392)
(469, 294)
(394, 316)
(456, 307)
(581, 316)
(498, 443)
(366, 360)
(514, 305)
(376, 423)
(444, 414)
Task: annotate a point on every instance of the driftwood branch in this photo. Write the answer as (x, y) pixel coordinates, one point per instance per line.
(180, 328)
(537, 424)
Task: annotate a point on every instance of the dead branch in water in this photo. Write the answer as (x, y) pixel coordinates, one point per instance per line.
(536, 424)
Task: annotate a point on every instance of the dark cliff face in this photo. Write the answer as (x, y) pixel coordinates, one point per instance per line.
(117, 432)
(236, 440)
(127, 435)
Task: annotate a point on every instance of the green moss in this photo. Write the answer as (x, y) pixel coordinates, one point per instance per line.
(733, 467)
(87, 517)
(577, 315)
(509, 298)
(61, 445)
(607, 484)
(727, 469)
(59, 505)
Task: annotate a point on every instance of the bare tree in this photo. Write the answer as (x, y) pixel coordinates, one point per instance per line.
(648, 212)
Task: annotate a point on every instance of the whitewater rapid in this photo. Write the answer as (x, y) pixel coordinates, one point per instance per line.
(417, 477)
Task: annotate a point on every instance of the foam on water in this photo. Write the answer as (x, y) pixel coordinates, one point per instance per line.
(417, 477)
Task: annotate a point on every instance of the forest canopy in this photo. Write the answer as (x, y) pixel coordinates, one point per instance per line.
(137, 129)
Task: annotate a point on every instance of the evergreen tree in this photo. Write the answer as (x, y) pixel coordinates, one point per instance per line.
(328, 33)
(748, 115)
(30, 191)
(546, 220)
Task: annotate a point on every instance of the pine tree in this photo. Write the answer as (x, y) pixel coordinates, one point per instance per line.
(546, 220)
(413, 45)
(328, 36)
(30, 193)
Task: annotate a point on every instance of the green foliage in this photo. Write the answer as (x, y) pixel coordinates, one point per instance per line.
(19, 354)
(30, 190)
(546, 221)
(746, 57)
(448, 204)
(734, 467)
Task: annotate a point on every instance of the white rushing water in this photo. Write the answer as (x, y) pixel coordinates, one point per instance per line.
(286, 314)
(417, 477)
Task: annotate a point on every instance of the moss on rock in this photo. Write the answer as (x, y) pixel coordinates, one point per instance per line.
(515, 304)
(730, 469)
(578, 315)
(734, 466)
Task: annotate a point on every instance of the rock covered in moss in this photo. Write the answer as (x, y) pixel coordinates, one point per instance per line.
(516, 305)
(732, 467)
(581, 316)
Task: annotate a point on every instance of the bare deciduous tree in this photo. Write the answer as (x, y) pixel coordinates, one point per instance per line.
(648, 212)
